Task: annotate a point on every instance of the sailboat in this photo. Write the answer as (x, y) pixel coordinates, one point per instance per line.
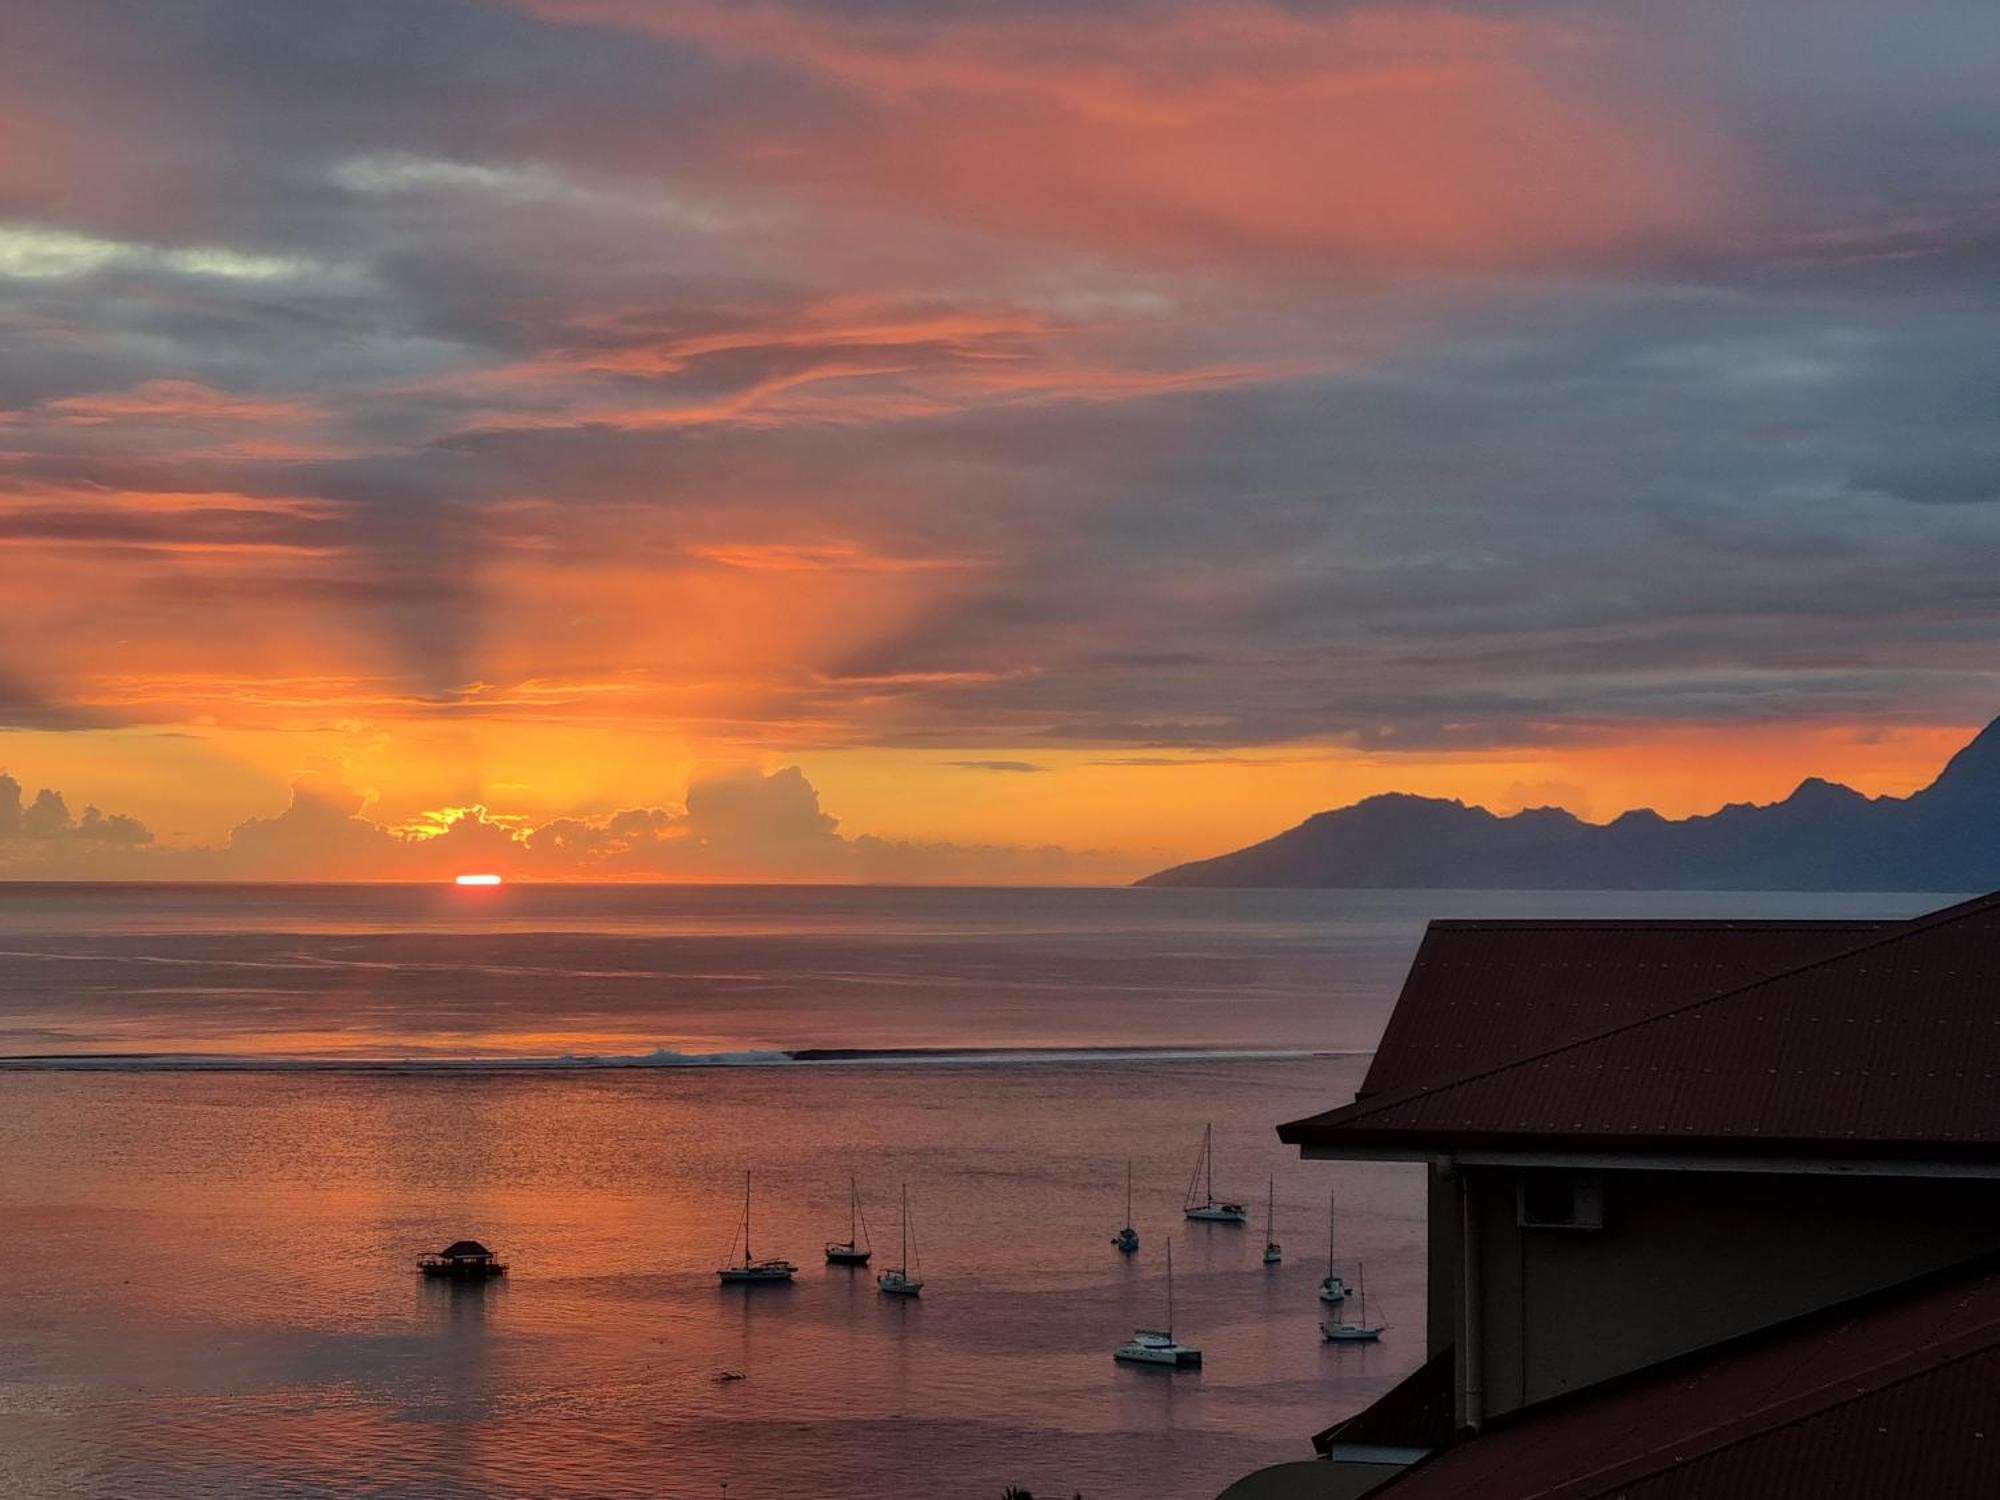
(751, 1272)
(1157, 1346)
(1127, 1239)
(854, 1250)
(1361, 1332)
(1204, 1175)
(1273, 1251)
(1331, 1287)
(907, 1279)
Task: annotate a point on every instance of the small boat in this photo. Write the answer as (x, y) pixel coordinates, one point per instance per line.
(1361, 1331)
(750, 1271)
(1207, 1208)
(462, 1260)
(1273, 1251)
(851, 1251)
(1331, 1287)
(1158, 1346)
(1127, 1239)
(906, 1279)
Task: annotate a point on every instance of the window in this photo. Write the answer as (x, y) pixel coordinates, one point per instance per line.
(1558, 1198)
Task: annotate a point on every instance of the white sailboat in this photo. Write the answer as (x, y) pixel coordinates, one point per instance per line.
(1331, 1287)
(854, 1250)
(906, 1279)
(750, 1271)
(1207, 1208)
(1361, 1331)
(1127, 1239)
(1273, 1251)
(1157, 1346)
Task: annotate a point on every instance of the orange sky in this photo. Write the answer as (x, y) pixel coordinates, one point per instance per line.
(1075, 439)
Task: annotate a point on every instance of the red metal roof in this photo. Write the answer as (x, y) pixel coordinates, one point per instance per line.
(1890, 1047)
(1485, 992)
(1416, 1412)
(1893, 1394)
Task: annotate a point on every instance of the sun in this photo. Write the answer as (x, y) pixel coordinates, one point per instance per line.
(478, 880)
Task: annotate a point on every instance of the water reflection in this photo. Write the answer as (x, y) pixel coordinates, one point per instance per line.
(590, 1369)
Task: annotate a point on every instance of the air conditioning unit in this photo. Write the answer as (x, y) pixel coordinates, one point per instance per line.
(1560, 1198)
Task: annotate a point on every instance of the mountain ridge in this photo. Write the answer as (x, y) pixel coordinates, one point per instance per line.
(1823, 836)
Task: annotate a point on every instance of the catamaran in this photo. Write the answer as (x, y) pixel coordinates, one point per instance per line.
(1127, 1239)
(854, 1250)
(1273, 1251)
(1331, 1287)
(1208, 1208)
(1361, 1331)
(907, 1277)
(751, 1272)
(1157, 1346)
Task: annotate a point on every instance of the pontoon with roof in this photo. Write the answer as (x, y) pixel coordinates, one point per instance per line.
(464, 1260)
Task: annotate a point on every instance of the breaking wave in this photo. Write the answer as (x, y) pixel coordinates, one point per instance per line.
(662, 1057)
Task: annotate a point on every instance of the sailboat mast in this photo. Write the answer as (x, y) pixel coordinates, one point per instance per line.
(746, 1218)
(1329, 1236)
(853, 1209)
(1208, 1147)
(906, 1228)
(1128, 1192)
(1270, 1208)
(1170, 1291)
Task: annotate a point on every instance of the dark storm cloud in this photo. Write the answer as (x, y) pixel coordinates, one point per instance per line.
(1198, 465)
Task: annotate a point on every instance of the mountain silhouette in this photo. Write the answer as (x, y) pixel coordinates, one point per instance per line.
(1823, 837)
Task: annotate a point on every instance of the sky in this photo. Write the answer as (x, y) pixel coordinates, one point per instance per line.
(932, 440)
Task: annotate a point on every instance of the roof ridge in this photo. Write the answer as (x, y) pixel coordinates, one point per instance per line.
(1896, 933)
(1809, 1405)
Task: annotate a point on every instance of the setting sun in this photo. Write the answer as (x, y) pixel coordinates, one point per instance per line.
(478, 880)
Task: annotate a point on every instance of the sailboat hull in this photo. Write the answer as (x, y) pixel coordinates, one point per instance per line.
(762, 1275)
(1147, 1352)
(846, 1255)
(1218, 1213)
(1350, 1333)
(894, 1284)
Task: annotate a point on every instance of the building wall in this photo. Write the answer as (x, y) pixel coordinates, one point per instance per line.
(1686, 1259)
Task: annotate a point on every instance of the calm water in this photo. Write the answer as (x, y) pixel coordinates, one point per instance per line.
(205, 1279)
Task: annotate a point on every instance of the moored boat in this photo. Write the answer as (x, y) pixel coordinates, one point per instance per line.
(462, 1260)
(854, 1250)
(750, 1271)
(1205, 1206)
(1158, 1346)
(905, 1279)
(1331, 1287)
(1359, 1330)
(1127, 1239)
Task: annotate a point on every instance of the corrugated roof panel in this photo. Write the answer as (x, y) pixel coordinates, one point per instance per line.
(1892, 1394)
(1895, 1042)
(1484, 992)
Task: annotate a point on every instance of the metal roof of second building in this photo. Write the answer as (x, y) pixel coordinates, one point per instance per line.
(1892, 1394)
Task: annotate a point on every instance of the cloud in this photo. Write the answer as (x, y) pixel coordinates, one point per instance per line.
(43, 827)
(1018, 767)
(736, 823)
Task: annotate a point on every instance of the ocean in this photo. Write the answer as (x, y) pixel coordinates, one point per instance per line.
(231, 1117)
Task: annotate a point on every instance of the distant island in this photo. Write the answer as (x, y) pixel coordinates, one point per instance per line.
(1823, 837)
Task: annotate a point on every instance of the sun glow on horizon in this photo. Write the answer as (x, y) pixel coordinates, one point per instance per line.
(477, 880)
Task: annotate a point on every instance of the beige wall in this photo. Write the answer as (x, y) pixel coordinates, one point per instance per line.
(1686, 1259)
